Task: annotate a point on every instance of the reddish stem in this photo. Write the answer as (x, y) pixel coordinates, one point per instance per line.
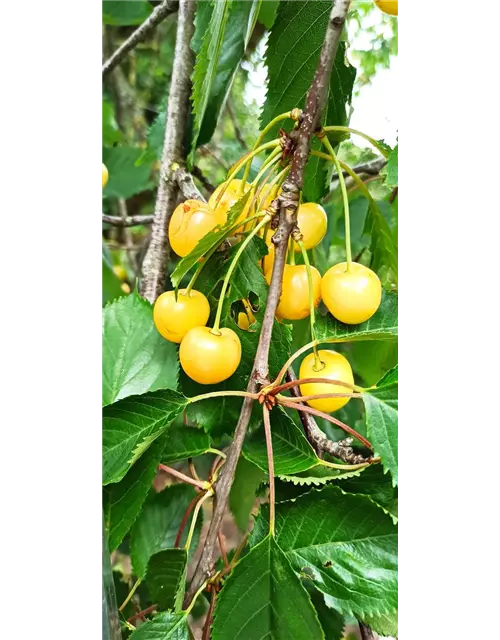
(184, 520)
(222, 546)
(210, 615)
(319, 396)
(326, 416)
(212, 467)
(181, 476)
(295, 383)
(142, 614)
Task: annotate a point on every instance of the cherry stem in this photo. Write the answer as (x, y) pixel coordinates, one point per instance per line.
(363, 188)
(192, 469)
(296, 383)
(197, 508)
(247, 158)
(262, 135)
(371, 140)
(232, 267)
(319, 396)
(184, 520)
(293, 357)
(193, 601)
(201, 484)
(142, 613)
(345, 197)
(326, 416)
(219, 394)
(270, 464)
(129, 597)
(317, 361)
(222, 546)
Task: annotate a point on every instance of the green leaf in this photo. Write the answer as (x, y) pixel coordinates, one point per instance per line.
(263, 598)
(319, 476)
(211, 240)
(391, 176)
(164, 626)
(344, 543)
(111, 286)
(123, 500)
(247, 479)
(126, 176)
(370, 360)
(157, 526)
(205, 68)
(267, 12)
(110, 131)
(383, 242)
(377, 486)
(332, 621)
(292, 58)
(165, 577)
(384, 624)
(122, 13)
(130, 426)
(219, 415)
(239, 20)
(184, 442)
(383, 325)
(389, 378)
(292, 452)
(136, 359)
(381, 406)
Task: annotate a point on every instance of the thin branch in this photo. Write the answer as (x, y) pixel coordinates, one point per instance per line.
(315, 104)
(198, 173)
(237, 131)
(320, 414)
(185, 183)
(341, 449)
(154, 19)
(371, 168)
(156, 258)
(130, 221)
(142, 614)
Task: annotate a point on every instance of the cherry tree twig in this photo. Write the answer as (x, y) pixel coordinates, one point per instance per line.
(157, 16)
(289, 200)
(155, 260)
(129, 221)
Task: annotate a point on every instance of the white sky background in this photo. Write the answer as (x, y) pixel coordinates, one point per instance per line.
(374, 108)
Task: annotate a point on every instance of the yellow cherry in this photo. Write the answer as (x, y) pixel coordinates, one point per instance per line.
(246, 318)
(230, 197)
(208, 357)
(388, 6)
(351, 296)
(119, 272)
(294, 299)
(174, 318)
(125, 287)
(190, 222)
(105, 175)
(312, 222)
(334, 367)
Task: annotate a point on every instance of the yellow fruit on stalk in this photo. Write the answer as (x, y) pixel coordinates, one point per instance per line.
(388, 6)
(105, 175)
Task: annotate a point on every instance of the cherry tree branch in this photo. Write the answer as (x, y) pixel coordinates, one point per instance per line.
(185, 183)
(129, 221)
(155, 260)
(371, 168)
(157, 16)
(316, 99)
